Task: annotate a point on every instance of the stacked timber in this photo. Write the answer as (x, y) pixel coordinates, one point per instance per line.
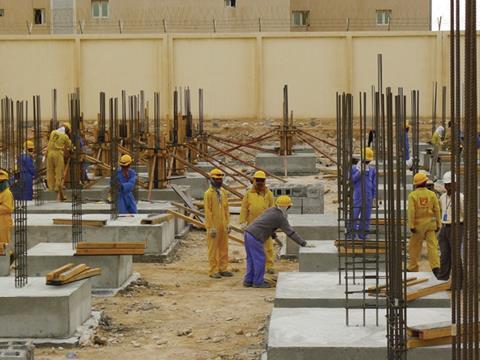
(70, 273)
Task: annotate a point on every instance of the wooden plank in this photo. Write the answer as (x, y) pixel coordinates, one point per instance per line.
(380, 244)
(66, 275)
(360, 251)
(417, 281)
(156, 219)
(53, 274)
(83, 275)
(96, 223)
(111, 245)
(413, 342)
(187, 201)
(93, 252)
(427, 291)
(383, 286)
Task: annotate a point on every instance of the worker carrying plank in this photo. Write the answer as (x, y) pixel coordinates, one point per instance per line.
(23, 189)
(217, 220)
(424, 222)
(6, 209)
(445, 238)
(126, 178)
(364, 181)
(260, 230)
(256, 200)
(59, 142)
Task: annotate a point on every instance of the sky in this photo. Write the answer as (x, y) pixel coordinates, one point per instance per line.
(442, 8)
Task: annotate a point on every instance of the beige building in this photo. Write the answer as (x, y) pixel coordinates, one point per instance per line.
(159, 16)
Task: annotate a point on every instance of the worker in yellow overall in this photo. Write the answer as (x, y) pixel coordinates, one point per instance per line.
(58, 143)
(6, 210)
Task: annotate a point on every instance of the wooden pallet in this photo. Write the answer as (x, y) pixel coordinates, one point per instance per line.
(156, 219)
(110, 248)
(70, 273)
(95, 223)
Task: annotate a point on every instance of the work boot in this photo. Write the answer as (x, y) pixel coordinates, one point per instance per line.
(216, 276)
(247, 284)
(271, 271)
(226, 273)
(435, 272)
(264, 285)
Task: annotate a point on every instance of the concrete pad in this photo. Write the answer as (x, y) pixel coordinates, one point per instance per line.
(297, 163)
(322, 289)
(324, 257)
(195, 182)
(311, 334)
(45, 257)
(4, 265)
(41, 311)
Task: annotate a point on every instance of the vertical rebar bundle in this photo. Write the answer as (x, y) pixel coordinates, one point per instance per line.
(102, 120)
(37, 136)
(75, 168)
(54, 122)
(113, 117)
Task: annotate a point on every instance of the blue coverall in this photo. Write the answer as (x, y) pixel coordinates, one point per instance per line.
(126, 201)
(24, 188)
(362, 210)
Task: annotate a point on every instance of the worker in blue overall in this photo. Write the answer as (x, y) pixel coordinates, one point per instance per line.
(23, 190)
(126, 184)
(408, 159)
(362, 207)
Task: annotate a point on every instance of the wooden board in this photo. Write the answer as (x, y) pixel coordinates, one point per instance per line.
(414, 342)
(111, 251)
(53, 274)
(95, 223)
(111, 245)
(431, 331)
(156, 219)
(187, 201)
(368, 243)
(66, 275)
(360, 251)
(83, 275)
(427, 291)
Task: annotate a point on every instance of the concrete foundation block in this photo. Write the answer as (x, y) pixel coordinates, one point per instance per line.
(297, 164)
(195, 182)
(323, 290)
(17, 350)
(311, 334)
(4, 265)
(45, 257)
(41, 311)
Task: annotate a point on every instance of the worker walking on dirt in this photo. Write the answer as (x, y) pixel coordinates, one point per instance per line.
(256, 200)
(260, 230)
(23, 188)
(437, 146)
(58, 143)
(217, 220)
(6, 209)
(127, 178)
(364, 181)
(445, 238)
(423, 221)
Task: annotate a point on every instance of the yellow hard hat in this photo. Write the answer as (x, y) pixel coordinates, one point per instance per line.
(3, 175)
(125, 160)
(217, 174)
(259, 175)
(368, 154)
(29, 145)
(66, 125)
(420, 178)
(283, 201)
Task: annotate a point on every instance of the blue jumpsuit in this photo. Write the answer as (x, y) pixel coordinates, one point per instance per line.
(126, 201)
(362, 210)
(24, 189)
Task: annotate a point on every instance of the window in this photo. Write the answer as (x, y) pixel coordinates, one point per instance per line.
(383, 17)
(300, 18)
(100, 8)
(230, 3)
(2, 12)
(39, 16)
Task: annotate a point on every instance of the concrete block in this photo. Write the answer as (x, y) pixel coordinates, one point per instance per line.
(45, 257)
(297, 164)
(17, 350)
(322, 289)
(195, 182)
(321, 333)
(298, 148)
(4, 265)
(41, 311)
(324, 257)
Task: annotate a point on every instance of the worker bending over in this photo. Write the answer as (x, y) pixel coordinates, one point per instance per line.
(127, 178)
(364, 180)
(424, 222)
(217, 220)
(257, 199)
(6, 209)
(260, 230)
(24, 188)
(445, 238)
(59, 142)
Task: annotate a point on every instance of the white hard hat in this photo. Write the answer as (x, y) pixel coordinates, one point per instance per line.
(440, 129)
(447, 177)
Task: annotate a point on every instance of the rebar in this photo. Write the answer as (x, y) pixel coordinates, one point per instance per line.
(113, 119)
(37, 135)
(75, 168)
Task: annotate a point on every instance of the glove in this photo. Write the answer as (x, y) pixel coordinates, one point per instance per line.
(413, 230)
(243, 226)
(213, 232)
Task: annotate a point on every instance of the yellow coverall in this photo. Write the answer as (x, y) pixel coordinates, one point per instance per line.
(6, 210)
(424, 217)
(217, 216)
(253, 205)
(57, 143)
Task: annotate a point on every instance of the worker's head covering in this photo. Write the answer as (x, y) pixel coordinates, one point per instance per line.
(368, 154)
(419, 179)
(67, 126)
(29, 145)
(440, 130)
(3, 180)
(259, 175)
(447, 178)
(125, 160)
(61, 130)
(283, 203)
(217, 174)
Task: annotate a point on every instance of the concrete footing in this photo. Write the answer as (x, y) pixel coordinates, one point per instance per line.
(301, 163)
(41, 311)
(311, 334)
(4, 265)
(315, 289)
(197, 183)
(45, 257)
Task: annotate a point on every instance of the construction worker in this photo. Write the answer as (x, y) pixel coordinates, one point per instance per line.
(6, 209)
(423, 221)
(262, 228)
(127, 178)
(445, 237)
(409, 161)
(256, 200)
(217, 220)
(58, 143)
(437, 146)
(364, 184)
(24, 188)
